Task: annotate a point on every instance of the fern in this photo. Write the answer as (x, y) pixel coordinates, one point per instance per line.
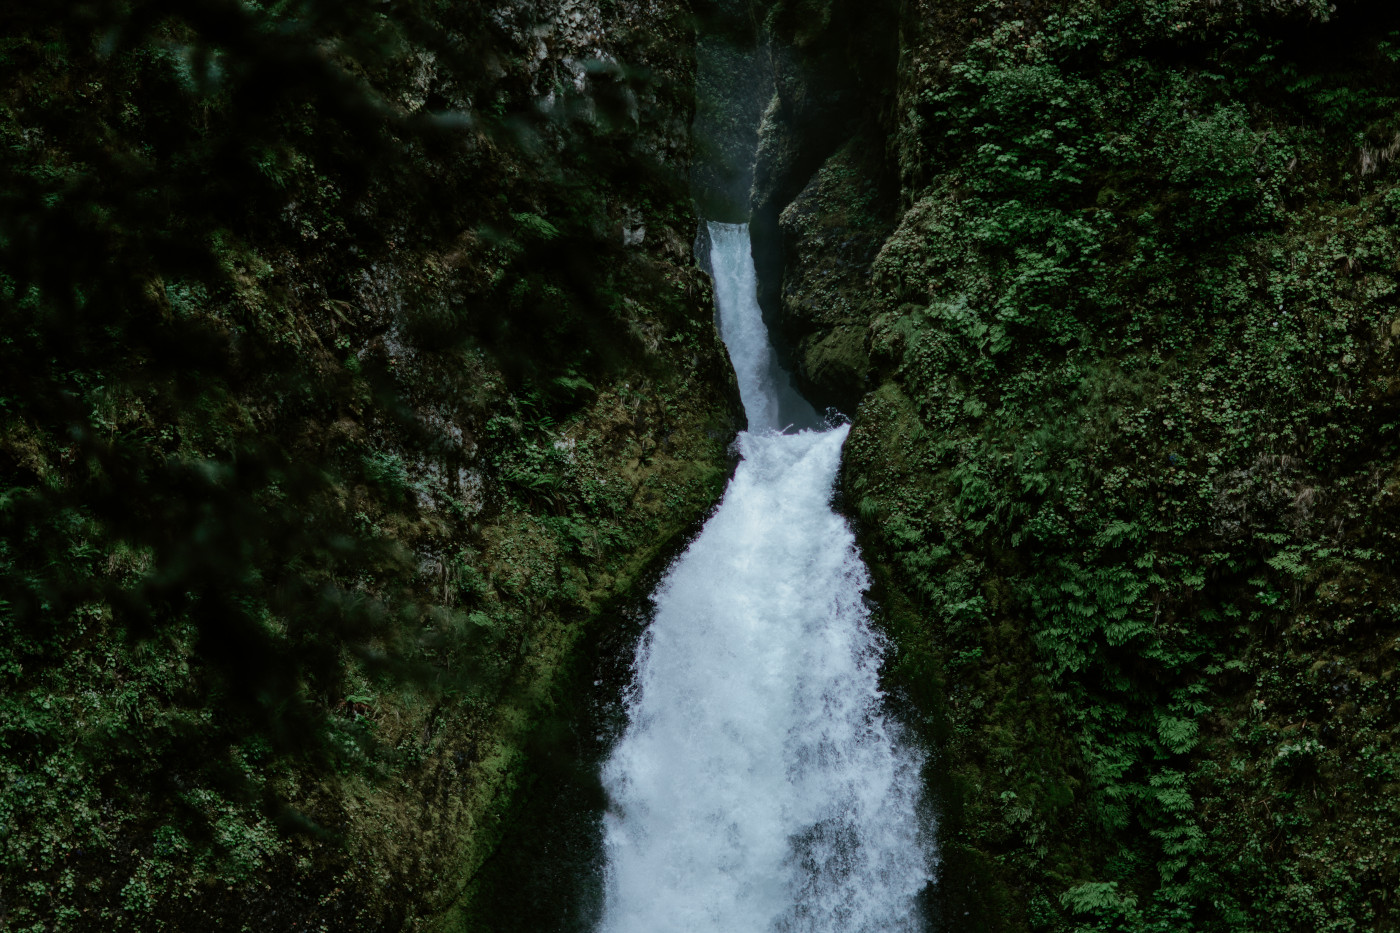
(1098, 897)
(535, 227)
(1177, 734)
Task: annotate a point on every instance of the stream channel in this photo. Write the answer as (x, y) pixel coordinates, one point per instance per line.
(753, 776)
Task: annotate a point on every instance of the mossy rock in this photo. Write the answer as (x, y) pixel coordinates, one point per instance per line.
(839, 364)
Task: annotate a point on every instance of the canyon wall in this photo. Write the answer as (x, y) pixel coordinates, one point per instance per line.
(356, 369)
(1110, 292)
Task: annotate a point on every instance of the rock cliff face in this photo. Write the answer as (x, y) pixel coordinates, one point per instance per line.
(1124, 345)
(830, 234)
(831, 65)
(393, 376)
(733, 83)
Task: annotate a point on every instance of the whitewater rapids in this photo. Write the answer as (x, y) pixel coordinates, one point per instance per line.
(759, 786)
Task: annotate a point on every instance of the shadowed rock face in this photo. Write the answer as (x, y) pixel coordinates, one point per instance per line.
(831, 232)
(733, 84)
(831, 70)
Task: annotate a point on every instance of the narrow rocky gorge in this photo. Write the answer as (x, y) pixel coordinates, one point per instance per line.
(360, 376)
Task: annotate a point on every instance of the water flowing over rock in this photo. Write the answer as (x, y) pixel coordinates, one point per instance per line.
(759, 785)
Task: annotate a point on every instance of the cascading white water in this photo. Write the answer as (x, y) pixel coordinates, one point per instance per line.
(741, 325)
(758, 786)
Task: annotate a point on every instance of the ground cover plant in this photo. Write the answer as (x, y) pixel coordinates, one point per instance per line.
(328, 398)
(1127, 457)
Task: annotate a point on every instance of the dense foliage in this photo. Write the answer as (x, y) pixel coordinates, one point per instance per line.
(1130, 463)
(348, 365)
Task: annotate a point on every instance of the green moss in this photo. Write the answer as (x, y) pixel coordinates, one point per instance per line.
(1132, 419)
(316, 483)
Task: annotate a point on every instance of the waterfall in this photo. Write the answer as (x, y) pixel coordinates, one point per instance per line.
(741, 325)
(759, 786)
(770, 402)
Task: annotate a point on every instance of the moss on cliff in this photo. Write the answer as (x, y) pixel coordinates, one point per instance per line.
(830, 235)
(1126, 476)
(353, 364)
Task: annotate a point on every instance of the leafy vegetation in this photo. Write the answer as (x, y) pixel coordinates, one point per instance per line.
(1128, 472)
(333, 413)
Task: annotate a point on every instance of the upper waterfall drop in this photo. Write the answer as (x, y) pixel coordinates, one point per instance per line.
(769, 400)
(759, 786)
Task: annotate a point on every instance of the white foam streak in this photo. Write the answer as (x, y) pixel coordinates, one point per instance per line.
(758, 787)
